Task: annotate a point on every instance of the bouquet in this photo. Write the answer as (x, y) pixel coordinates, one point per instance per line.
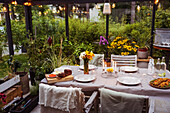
(87, 55)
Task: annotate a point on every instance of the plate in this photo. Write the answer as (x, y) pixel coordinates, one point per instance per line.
(129, 80)
(161, 83)
(129, 69)
(84, 78)
(91, 67)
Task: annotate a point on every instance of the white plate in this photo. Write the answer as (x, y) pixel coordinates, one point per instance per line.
(84, 78)
(91, 67)
(129, 80)
(129, 69)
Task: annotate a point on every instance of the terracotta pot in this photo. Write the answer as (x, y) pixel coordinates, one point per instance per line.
(142, 53)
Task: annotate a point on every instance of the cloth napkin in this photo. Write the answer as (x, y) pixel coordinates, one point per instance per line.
(118, 102)
(61, 98)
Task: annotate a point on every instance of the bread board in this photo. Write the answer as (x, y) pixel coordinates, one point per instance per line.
(58, 79)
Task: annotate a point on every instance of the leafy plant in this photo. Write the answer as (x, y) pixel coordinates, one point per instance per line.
(34, 89)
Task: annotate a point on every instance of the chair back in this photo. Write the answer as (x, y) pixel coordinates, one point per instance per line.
(130, 60)
(119, 102)
(97, 60)
(54, 99)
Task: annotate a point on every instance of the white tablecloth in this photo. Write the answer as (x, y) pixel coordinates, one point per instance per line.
(111, 82)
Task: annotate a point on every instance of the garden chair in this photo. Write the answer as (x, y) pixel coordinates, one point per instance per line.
(130, 60)
(54, 99)
(119, 102)
(97, 60)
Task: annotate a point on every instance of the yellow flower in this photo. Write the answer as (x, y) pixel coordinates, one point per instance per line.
(137, 46)
(118, 37)
(77, 65)
(118, 44)
(119, 47)
(110, 69)
(133, 42)
(134, 49)
(122, 53)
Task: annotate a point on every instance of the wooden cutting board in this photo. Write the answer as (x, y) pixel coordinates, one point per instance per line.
(58, 79)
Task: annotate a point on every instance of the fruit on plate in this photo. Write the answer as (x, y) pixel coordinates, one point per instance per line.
(160, 83)
(162, 75)
(52, 75)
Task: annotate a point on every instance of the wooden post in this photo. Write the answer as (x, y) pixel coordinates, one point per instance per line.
(9, 32)
(133, 4)
(153, 27)
(87, 9)
(28, 20)
(66, 21)
(107, 32)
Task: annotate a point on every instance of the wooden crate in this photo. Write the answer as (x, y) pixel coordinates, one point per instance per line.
(4, 86)
(11, 93)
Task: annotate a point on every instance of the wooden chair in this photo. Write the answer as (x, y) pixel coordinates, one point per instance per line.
(130, 60)
(97, 60)
(49, 91)
(119, 102)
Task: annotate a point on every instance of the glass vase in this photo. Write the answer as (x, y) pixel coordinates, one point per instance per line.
(86, 66)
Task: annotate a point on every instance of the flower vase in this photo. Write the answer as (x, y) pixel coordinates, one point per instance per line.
(86, 66)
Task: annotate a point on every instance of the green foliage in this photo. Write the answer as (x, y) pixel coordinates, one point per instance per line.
(22, 58)
(162, 18)
(34, 89)
(18, 32)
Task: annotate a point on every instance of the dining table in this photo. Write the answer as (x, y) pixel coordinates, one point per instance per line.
(110, 81)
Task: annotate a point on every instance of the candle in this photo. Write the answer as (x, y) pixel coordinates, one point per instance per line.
(103, 65)
(113, 63)
(115, 67)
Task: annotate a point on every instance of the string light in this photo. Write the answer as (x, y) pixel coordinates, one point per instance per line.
(4, 9)
(138, 8)
(27, 3)
(58, 11)
(14, 2)
(60, 8)
(46, 13)
(97, 6)
(54, 11)
(113, 5)
(159, 5)
(40, 6)
(39, 13)
(156, 1)
(74, 8)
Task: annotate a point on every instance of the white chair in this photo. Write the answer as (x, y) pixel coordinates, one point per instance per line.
(54, 99)
(118, 102)
(130, 60)
(97, 60)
